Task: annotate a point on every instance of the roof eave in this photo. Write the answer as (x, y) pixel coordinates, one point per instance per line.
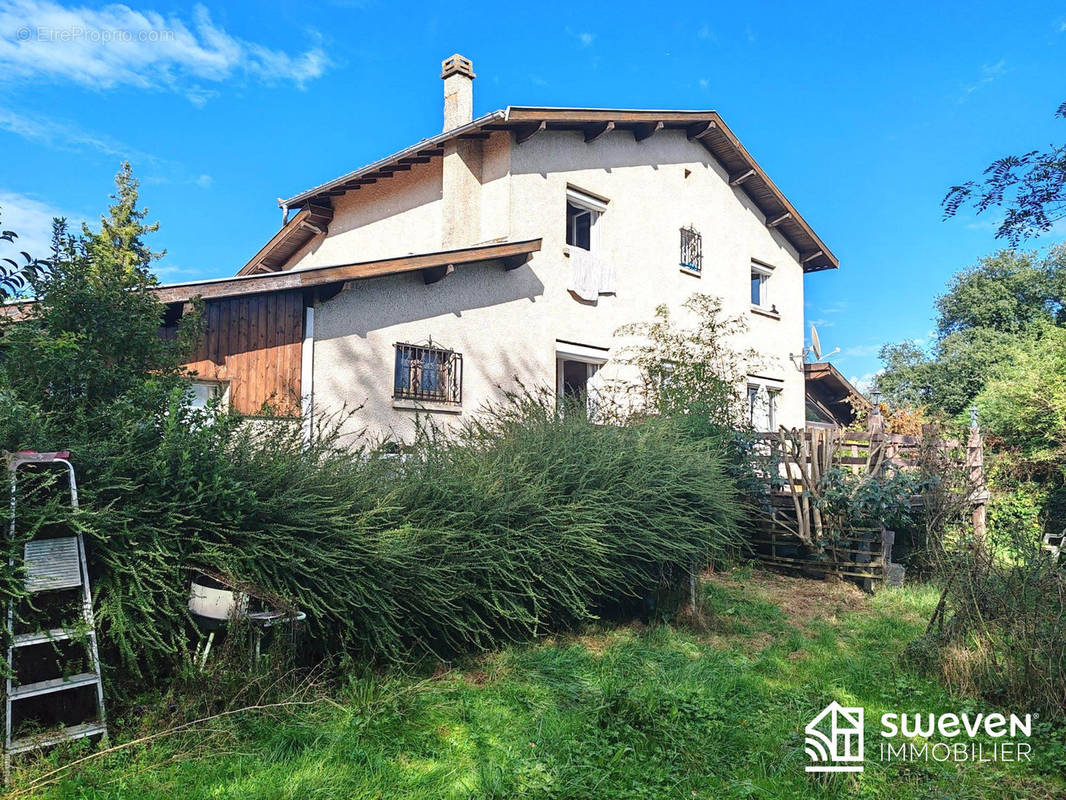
(424, 144)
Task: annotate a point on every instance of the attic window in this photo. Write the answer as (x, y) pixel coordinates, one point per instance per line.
(583, 213)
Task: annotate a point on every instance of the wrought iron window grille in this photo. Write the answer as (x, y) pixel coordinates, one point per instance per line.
(428, 372)
(691, 250)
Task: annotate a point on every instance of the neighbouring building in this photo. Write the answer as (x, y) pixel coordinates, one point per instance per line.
(508, 248)
(832, 400)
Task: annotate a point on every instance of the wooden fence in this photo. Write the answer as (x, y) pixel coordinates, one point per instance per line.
(862, 555)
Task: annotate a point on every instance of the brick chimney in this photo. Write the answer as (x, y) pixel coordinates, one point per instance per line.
(458, 75)
(461, 223)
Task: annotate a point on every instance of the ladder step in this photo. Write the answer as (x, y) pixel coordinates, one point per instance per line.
(54, 685)
(28, 743)
(52, 564)
(42, 637)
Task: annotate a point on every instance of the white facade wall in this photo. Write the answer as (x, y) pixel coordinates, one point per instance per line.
(506, 324)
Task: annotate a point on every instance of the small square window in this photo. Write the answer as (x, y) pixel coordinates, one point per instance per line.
(579, 222)
(428, 373)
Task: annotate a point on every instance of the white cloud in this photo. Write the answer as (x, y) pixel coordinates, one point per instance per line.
(62, 136)
(861, 350)
(119, 46)
(585, 38)
(31, 219)
(836, 307)
(704, 83)
(864, 383)
(989, 73)
(204, 181)
(706, 34)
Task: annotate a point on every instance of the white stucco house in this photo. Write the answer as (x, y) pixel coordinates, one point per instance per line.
(511, 247)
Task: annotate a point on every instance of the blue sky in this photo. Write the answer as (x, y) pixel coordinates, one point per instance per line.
(863, 115)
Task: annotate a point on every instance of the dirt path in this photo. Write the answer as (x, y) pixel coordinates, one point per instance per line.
(802, 600)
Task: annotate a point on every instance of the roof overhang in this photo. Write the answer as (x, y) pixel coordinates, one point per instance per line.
(311, 221)
(706, 127)
(833, 380)
(434, 267)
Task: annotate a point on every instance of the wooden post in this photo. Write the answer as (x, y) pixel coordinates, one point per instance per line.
(875, 426)
(975, 463)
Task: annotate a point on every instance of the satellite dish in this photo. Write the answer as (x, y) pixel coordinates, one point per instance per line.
(816, 345)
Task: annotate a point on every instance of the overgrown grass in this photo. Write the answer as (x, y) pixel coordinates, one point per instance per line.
(627, 712)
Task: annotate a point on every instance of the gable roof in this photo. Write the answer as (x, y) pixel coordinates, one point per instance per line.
(706, 127)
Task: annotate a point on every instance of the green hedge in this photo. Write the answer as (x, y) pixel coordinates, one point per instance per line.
(522, 523)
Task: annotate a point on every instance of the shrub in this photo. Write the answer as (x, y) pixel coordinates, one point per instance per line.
(1000, 627)
(523, 522)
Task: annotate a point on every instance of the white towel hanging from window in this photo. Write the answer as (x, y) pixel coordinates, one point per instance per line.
(590, 276)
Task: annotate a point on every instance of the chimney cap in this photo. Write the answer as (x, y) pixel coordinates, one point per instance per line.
(457, 65)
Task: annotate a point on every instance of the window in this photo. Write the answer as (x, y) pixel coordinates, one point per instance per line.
(760, 277)
(691, 250)
(583, 213)
(762, 406)
(203, 392)
(428, 373)
(577, 374)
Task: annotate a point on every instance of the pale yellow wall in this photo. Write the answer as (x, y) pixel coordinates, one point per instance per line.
(395, 216)
(506, 323)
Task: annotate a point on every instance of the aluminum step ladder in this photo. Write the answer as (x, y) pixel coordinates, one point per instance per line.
(51, 565)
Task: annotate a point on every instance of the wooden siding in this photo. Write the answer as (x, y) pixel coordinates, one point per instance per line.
(255, 344)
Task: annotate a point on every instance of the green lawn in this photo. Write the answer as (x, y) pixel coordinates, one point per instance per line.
(628, 712)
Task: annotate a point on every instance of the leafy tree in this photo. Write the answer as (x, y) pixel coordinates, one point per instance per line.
(905, 380)
(91, 336)
(17, 268)
(988, 309)
(1024, 407)
(1006, 291)
(1032, 186)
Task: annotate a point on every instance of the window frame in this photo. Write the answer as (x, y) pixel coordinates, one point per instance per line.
(764, 273)
(592, 357)
(220, 390)
(691, 242)
(587, 204)
(449, 374)
(763, 399)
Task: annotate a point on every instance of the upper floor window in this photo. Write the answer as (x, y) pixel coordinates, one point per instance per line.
(428, 372)
(583, 212)
(691, 250)
(760, 279)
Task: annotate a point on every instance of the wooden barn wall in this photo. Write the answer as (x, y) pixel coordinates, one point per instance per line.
(255, 344)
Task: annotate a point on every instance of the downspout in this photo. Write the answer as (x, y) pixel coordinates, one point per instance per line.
(307, 375)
